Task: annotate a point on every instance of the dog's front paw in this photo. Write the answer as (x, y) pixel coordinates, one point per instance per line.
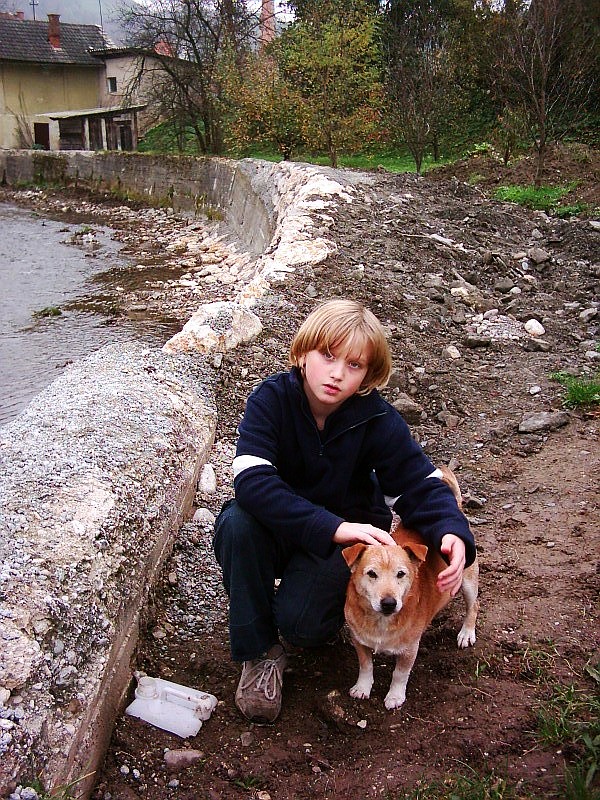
(361, 691)
(394, 700)
(466, 636)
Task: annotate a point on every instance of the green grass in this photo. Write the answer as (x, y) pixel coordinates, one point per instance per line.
(48, 311)
(567, 721)
(162, 139)
(466, 787)
(564, 212)
(390, 162)
(568, 718)
(537, 198)
(579, 391)
(63, 792)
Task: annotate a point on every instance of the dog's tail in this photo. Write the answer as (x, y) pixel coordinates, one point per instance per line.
(450, 478)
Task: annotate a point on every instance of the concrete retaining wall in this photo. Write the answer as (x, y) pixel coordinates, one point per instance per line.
(185, 183)
(96, 477)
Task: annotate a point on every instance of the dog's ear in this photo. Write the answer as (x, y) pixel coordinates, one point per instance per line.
(416, 551)
(352, 554)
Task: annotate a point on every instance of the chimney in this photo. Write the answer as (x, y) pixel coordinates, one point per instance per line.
(12, 15)
(267, 22)
(54, 30)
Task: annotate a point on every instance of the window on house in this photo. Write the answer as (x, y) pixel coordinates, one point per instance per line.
(112, 84)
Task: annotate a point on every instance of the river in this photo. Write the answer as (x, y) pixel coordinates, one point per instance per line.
(61, 289)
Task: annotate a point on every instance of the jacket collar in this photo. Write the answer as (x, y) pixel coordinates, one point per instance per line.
(354, 411)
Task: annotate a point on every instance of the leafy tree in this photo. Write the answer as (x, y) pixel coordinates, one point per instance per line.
(427, 74)
(263, 107)
(330, 57)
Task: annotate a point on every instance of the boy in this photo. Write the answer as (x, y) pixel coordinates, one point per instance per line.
(321, 461)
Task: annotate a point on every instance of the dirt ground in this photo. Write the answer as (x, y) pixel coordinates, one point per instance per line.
(532, 498)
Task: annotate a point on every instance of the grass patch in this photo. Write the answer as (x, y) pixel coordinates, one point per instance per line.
(537, 198)
(579, 391)
(466, 787)
(388, 161)
(63, 792)
(564, 212)
(48, 311)
(164, 138)
(569, 718)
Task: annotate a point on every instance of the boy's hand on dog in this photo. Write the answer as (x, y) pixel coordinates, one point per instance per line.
(450, 579)
(354, 532)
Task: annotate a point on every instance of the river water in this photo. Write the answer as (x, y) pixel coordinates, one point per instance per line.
(50, 265)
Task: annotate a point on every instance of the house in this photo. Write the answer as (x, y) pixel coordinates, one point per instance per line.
(58, 90)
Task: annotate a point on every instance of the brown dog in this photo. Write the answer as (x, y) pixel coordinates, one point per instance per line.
(391, 599)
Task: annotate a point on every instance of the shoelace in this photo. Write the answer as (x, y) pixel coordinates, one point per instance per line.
(267, 681)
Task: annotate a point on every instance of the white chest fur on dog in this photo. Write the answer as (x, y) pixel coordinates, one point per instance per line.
(391, 599)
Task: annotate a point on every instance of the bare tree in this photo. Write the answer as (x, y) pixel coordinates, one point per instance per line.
(190, 43)
(546, 67)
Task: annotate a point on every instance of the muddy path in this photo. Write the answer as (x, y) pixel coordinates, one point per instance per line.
(532, 499)
(467, 712)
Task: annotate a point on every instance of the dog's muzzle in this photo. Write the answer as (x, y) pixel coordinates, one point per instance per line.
(388, 605)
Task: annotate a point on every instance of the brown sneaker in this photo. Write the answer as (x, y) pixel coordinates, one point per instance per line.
(258, 695)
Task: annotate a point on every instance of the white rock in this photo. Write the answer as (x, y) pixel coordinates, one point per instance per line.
(207, 483)
(534, 328)
(451, 351)
(204, 516)
(215, 326)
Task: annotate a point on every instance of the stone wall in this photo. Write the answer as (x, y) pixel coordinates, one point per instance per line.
(96, 477)
(185, 183)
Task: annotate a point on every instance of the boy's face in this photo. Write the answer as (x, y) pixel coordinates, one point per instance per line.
(332, 377)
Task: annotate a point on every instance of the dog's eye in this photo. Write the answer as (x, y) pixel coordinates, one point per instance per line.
(371, 573)
(401, 574)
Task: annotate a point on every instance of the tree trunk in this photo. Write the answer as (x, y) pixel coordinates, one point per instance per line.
(539, 166)
(436, 147)
(332, 150)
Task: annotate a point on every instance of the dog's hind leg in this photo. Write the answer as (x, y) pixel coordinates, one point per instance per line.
(470, 591)
(404, 663)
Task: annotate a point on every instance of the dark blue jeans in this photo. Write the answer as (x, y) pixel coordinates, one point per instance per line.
(308, 606)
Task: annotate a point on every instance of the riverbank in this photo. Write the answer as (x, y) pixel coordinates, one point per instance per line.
(63, 289)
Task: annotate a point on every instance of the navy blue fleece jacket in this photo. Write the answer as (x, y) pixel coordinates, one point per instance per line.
(302, 483)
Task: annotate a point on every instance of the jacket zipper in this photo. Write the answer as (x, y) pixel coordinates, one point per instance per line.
(322, 444)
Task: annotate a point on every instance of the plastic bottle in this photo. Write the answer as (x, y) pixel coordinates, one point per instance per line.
(171, 707)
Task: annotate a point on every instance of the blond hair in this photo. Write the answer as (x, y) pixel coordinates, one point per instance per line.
(348, 325)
